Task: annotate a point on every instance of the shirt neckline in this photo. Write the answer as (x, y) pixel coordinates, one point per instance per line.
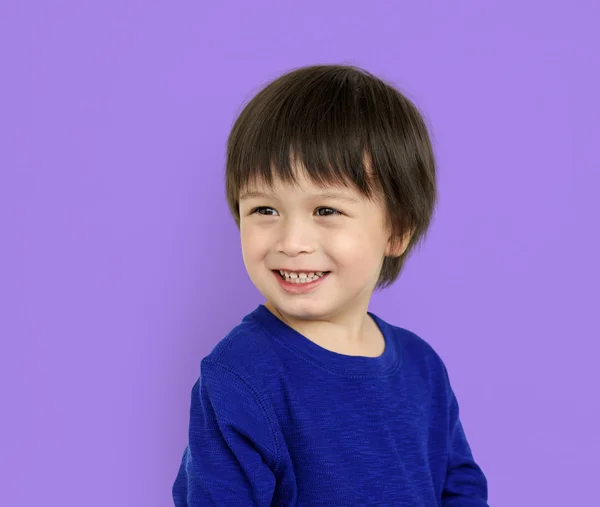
(334, 362)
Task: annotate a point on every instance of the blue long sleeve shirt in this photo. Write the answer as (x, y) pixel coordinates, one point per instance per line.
(278, 420)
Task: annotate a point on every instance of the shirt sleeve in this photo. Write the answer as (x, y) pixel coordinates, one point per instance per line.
(465, 484)
(232, 454)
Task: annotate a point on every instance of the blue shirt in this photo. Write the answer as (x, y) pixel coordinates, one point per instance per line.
(276, 419)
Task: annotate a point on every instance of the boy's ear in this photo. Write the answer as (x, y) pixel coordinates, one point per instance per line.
(395, 247)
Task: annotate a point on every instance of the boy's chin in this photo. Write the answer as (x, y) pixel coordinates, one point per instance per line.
(300, 309)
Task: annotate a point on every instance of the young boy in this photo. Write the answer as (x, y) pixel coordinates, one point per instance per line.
(312, 399)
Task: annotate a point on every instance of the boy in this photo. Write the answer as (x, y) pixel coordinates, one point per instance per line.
(312, 399)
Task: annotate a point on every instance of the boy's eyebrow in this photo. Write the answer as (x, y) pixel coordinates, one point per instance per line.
(327, 195)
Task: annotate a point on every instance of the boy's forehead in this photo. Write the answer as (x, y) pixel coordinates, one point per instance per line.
(278, 186)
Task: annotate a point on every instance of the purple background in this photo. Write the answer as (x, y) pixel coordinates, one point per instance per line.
(121, 266)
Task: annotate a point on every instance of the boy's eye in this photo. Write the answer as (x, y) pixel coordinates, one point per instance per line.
(260, 210)
(333, 211)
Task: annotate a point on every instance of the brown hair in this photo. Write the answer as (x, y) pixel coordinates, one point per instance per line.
(344, 126)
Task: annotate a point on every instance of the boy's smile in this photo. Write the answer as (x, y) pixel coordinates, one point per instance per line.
(302, 282)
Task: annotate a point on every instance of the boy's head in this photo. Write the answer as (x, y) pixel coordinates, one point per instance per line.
(329, 129)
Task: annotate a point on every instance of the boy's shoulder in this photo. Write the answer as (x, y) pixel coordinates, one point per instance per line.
(410, 340)
(244, 351)
(414, 348)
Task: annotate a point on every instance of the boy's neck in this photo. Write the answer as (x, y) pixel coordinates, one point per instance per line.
(349, 336)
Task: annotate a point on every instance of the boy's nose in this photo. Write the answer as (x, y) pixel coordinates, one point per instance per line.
(295, 238)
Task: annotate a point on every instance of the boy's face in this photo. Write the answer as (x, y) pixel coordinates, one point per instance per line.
(296, 229)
